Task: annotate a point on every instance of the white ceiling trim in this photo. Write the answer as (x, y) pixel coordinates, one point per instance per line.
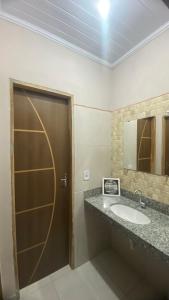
(143, 43)
(53, 37)
(77, 49)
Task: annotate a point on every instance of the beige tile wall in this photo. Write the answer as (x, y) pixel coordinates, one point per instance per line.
(93, 152)
(153, 186)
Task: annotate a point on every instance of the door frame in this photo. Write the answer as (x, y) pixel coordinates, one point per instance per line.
(70, 99)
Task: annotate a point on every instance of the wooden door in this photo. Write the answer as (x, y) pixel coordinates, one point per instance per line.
(42, 183)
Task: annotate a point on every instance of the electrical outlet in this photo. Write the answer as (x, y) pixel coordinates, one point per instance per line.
(86, 175)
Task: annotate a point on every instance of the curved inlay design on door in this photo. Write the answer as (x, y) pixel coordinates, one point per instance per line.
(54, 199)
(41, 227)
(42, 134)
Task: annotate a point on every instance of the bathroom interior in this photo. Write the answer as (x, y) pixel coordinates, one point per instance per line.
(84, 107)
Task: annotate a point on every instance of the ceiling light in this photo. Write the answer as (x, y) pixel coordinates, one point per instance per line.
(104, 8)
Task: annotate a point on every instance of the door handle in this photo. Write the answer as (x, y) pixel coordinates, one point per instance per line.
(64, 180)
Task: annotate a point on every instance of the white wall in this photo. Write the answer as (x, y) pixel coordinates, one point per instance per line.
(143, 75)
(92, 151)
(31, 58)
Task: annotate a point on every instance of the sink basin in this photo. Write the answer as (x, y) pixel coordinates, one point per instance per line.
(129, 214)
(108, 201)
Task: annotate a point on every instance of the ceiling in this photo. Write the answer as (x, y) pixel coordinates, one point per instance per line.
(78, 25)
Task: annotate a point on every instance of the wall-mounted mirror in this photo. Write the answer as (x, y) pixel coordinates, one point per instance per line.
(146, 145)
(166, 145)
(143, 145)
(130, 145)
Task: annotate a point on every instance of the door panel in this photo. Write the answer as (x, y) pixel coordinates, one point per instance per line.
(26, 263)
(31, 151)
(32, 227)
(41, 159)
(25, 116)
(33, 189)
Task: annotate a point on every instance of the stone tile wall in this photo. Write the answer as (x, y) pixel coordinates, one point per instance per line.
(153, 186)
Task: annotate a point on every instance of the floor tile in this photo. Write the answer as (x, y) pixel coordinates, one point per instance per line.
(115, 271)
(35, 286)
(46, 292)
(101, 287)
(72, 287)
(106, 277)
(60, 273)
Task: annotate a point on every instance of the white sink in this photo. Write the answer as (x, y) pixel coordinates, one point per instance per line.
(129, 214)
(108, 201)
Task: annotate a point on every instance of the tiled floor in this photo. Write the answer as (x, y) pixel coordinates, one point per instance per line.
(106, 277)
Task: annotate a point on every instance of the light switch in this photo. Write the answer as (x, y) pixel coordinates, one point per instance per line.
(86, 174)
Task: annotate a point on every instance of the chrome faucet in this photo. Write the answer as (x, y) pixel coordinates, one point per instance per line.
(140, 193)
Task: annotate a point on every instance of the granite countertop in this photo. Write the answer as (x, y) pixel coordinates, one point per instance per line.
(154, 235)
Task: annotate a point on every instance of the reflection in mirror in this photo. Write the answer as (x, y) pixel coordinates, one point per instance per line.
(142, 145)
(130, 145)
(146, 145)
(158, 145)
(166, 146)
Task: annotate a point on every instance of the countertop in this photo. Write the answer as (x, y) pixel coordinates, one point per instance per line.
(154, 235)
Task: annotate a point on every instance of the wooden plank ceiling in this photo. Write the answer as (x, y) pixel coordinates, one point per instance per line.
(78, 23)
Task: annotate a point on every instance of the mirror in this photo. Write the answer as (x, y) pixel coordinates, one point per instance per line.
(130, 145)
(146, 145)
(166, 145)
(143, 145)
